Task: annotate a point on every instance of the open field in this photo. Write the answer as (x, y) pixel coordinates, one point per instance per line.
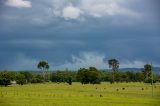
(105, 94)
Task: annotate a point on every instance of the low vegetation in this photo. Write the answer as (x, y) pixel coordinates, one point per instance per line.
(62, 94)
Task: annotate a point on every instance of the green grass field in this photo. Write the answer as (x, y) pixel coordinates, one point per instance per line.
(105, 94)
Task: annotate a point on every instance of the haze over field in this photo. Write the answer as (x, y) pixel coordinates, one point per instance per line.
(78, 33)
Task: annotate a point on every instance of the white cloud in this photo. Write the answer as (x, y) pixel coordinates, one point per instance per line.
(134, 64)
(46, 12)
(85, 59)
(94, 8)
(88, 59)
(71, 12)
(100, 8)
(57, 12)
(19, 3)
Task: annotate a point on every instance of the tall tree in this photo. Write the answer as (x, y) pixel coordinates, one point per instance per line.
(114, 64)
(44, 66)
(147, 71)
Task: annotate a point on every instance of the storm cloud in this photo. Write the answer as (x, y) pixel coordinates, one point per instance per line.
(78, 33)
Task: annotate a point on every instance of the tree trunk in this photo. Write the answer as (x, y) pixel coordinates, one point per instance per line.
(113, 73)
(43, 74)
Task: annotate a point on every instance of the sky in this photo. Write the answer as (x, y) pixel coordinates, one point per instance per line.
(79, 33)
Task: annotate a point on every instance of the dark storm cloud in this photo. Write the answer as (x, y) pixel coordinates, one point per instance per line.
(44, 31)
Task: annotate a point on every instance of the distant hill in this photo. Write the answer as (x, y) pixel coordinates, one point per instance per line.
(155, 69)
(130, 69)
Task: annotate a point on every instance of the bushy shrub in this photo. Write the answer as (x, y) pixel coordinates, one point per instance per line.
(36, 80)
(149, 80)
(96, 81)
(91, 75)
(69, 81)
(21, 79)
(4, 81)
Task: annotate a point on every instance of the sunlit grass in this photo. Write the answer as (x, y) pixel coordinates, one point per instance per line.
(105, 94)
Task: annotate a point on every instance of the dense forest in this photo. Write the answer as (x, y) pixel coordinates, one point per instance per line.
(83, 75)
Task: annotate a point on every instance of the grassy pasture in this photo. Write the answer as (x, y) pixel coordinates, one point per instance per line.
(105, 94)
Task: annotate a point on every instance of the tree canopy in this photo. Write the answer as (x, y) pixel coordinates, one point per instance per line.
(91, 75)
(43, 65)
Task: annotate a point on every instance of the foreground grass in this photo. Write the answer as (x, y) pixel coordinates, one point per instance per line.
(105, 94)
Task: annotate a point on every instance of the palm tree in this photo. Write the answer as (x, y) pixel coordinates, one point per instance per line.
(114, 64)
(44, 66)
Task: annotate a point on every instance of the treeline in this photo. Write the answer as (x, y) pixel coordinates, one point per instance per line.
(83, 75)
